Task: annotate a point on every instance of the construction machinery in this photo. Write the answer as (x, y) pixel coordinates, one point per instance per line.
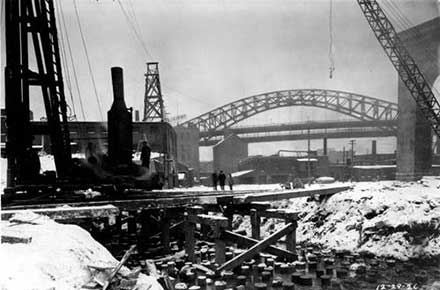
(406, 67)
(34, 20)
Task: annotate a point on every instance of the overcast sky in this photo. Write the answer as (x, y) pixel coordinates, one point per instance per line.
(212, 52)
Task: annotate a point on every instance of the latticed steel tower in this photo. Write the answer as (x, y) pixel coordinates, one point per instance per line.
(153, 102)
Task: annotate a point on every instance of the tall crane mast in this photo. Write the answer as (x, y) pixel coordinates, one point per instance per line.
(405, 65)
(33, 20)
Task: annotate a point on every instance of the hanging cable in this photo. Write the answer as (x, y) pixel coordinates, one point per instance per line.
(64, 60)
(403, 23)
(331, 47)
(88, 58)
(133, 13)
(136, 33)
(2, 12)
(71, 59)
(407, 24)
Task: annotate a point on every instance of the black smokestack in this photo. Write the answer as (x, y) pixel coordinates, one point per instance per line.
(120, 136)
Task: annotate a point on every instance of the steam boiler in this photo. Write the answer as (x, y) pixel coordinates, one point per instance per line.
(120, 127)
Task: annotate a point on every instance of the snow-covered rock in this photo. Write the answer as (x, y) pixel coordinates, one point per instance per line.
(57, 257)
(384, 218)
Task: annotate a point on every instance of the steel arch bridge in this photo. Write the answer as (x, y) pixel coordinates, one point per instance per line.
(355, 105)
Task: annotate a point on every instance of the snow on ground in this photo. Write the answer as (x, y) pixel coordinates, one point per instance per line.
(271, 187)
(47, 163)
(385, 218)
(3, 167)
(56, 258)
(236, 187)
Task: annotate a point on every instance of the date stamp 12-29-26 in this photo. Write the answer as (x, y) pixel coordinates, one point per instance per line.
(396, 286)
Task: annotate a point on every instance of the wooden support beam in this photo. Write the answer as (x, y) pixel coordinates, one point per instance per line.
(258, 247)
(206, 199)
(217, 223)
(68, 213)
(173, 227)
(118, 224)
(131, 222)
(288, 194)
(279, 214)
(245, 208)
(255, 224)
(220, 245)
(229, 214)
(248, 242)
(291, 237)
(165, 226)
(190, 240)
(211, 220)
(131, 204)
(15, 239)
(194, 210)
(205, 229)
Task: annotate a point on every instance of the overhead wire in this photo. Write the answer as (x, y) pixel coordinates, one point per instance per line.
(403, 23)
(135, 31)
(133, 13)
(2, 12)
(71, 59)
(2, 26)
(409, 25)
(87, 58)
(64, 58)
(134, 26)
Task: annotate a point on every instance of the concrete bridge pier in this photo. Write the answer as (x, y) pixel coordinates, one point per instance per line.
(414, 134)
(414, 142)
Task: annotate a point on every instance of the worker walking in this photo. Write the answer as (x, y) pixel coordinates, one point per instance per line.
(145, 154)
(222, 179)
(214, 180)
(90, 151)
(230, 181)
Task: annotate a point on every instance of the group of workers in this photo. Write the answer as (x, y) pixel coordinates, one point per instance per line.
(221, 179)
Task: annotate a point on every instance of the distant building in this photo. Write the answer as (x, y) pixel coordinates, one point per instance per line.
(228, 153)
(188, 147)
(280, 169)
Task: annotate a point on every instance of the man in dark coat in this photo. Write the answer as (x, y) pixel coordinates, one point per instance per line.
(222, 179)
(230, 181)
(145, 154)
(214, 180)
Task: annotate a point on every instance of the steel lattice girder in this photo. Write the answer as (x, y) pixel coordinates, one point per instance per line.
(354, 105)
(405, 65)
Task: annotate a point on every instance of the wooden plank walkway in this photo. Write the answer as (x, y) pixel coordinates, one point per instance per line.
(176, 199)
(68, 213)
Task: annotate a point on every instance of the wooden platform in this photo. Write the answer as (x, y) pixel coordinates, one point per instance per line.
(173, 199)
(67, 213)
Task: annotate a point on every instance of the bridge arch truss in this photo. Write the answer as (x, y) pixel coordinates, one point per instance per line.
(355, 105)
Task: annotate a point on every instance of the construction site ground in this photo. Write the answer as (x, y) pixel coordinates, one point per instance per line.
(395, 223)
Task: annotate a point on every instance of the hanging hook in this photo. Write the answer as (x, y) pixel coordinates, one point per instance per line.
(330, 48)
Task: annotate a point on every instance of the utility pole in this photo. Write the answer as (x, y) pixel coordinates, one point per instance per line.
(352, 142)
(308, 155)
(343, 155)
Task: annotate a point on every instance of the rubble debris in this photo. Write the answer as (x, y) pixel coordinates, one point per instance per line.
(10, 239)
(118, 267)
